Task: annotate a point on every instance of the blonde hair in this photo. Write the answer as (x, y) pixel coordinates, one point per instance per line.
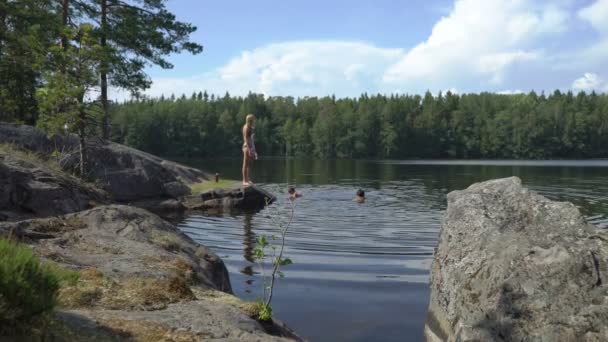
(249, 119)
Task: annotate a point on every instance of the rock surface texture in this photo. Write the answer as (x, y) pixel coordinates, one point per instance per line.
(129, 174)
(26, 137)
(141, 279)
(29, 188)
(123, 242)
(246, 198)
(125, 173)
(512, 265)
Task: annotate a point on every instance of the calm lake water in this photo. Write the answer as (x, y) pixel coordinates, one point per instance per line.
(361, 271)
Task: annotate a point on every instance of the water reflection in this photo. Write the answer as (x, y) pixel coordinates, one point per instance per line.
(380, 251)
(249, 242)
(248, 238)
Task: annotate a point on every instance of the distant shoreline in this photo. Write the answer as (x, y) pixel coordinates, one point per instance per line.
(598, 162)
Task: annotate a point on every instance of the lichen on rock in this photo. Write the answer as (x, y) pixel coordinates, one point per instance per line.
(512, 265)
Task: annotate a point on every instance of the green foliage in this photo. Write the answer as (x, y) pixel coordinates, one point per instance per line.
(27, 30)
(272, 249)
(66, 277)
(62, 99)
(53, 52)
(27, 288)
(562, 125)
(265, 311)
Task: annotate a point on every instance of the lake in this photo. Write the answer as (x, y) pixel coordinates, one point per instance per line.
(361, 271)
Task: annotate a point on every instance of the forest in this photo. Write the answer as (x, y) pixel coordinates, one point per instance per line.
(485, 125)
(59, 58)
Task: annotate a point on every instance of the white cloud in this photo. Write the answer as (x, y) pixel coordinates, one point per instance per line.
(589, 82)
(510, 91)
(597, 15)
(329, 66)
(298, 68)
(479, 45)
(480, 39)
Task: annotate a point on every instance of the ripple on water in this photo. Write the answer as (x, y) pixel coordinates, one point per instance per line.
(380, 250)
(391, 236)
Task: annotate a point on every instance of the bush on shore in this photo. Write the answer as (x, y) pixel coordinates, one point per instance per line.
(28, 287)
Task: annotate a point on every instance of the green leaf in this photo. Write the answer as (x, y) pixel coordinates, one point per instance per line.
(258, 253)
(285, 262)
(262, 241)
(265, 313)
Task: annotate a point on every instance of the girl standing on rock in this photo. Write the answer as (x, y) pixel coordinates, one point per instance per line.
(249, 153)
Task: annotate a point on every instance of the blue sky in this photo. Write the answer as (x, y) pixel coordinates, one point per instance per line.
(316, 48)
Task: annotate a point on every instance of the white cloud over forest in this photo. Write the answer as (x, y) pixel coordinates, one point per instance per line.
(479, 45)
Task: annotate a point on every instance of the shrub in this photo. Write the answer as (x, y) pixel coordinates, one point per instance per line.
(27, 287)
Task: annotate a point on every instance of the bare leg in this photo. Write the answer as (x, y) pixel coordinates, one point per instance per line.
(245, 172)
(249, 170)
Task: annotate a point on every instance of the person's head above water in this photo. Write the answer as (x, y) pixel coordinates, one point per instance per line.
(292, 192)
(360, 196)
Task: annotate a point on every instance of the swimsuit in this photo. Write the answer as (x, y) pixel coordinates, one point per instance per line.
(250, 142)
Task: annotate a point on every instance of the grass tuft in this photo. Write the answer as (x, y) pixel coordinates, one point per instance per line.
(94, 289)
(199, 188)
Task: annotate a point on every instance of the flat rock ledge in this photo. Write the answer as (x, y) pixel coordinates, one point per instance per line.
(512, 265)
(245, 198)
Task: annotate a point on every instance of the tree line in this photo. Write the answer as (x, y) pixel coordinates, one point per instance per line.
(485, 125)
(59, 57)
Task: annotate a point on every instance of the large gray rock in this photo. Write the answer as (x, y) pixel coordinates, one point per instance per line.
(118, 245)
(125, 173)
(123, 242)
(29, 188)
(27, 137)
(129, 174)
(512, 265)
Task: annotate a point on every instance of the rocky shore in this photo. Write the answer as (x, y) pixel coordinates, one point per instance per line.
(140, 278)
(512, 265)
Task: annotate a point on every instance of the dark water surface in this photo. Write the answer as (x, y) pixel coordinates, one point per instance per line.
(361, 271)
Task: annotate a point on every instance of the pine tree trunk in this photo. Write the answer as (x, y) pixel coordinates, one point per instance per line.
(64, 21)
(2, 30)
(82, 142)
(105, 121)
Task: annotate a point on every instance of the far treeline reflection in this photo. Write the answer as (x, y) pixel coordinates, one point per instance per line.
(486, 125)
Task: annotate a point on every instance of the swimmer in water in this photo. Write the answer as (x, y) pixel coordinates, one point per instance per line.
(292, 193)
(360, 198)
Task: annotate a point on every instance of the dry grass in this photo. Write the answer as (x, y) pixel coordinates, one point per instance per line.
(51, 328)
(93, 289)
(204, 186)
(251, 309)
(30, 156)
(145, 331)
(56, 225)
(168, 241)
(48, 327)
(49, 163)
